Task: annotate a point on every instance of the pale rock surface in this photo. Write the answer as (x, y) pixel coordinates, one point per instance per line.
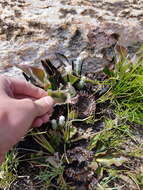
(31, 30)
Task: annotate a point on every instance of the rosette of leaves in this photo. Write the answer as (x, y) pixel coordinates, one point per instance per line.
(63, 83)
(85, 105)
(59, 82)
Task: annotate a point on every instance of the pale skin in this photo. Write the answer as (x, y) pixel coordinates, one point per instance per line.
(22, 106)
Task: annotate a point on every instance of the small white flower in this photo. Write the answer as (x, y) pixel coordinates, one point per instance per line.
(61, 120)
(54, 124)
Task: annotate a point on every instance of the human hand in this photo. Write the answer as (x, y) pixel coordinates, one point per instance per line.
(22, 105)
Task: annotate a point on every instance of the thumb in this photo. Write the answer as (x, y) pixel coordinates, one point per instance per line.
(44, 105)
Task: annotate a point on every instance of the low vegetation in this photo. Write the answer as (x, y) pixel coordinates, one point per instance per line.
(94, 139)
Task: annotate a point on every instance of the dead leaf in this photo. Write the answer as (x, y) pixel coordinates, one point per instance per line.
(109, 160)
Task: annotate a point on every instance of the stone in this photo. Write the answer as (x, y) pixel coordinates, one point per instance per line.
(33, 30)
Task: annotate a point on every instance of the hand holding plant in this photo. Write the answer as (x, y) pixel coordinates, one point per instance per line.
(22, 105)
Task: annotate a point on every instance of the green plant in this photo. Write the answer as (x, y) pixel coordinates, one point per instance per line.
(104, 184)
(140, 179)
(60, 82)
(52, 175)
(103, 151)
(42, 140)
(126, 85)
(8, 170)
(61, 133)
(109, 154)
(111, 137)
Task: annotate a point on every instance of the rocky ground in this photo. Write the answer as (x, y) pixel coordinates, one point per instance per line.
(33, 30)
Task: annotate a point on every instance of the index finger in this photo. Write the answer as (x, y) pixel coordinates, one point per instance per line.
(21, 87)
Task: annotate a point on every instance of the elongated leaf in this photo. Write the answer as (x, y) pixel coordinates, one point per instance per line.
(110, 160)
(32, 80)
(39, 73)
(68, 134)
(130, 179)
(93, 142)
(72, 131)
(59, 96)
(63, 59)
(121, 50)
(53, 161)
(44, 143)
(33, 74)
(53, 74)
(107, 71)
(26, 76)
(72, 78)
(49, 67)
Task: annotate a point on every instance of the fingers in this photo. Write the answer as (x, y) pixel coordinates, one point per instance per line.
(44, 105)
(29, 111)
(24, 96)
(21, 87)
(39, 121)
(45, 109)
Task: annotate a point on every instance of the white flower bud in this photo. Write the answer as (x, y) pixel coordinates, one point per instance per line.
(61, 120)
(81, 82)
(54, 124)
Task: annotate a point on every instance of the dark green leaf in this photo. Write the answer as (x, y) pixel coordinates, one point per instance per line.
(107, 71)
(63, 59)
